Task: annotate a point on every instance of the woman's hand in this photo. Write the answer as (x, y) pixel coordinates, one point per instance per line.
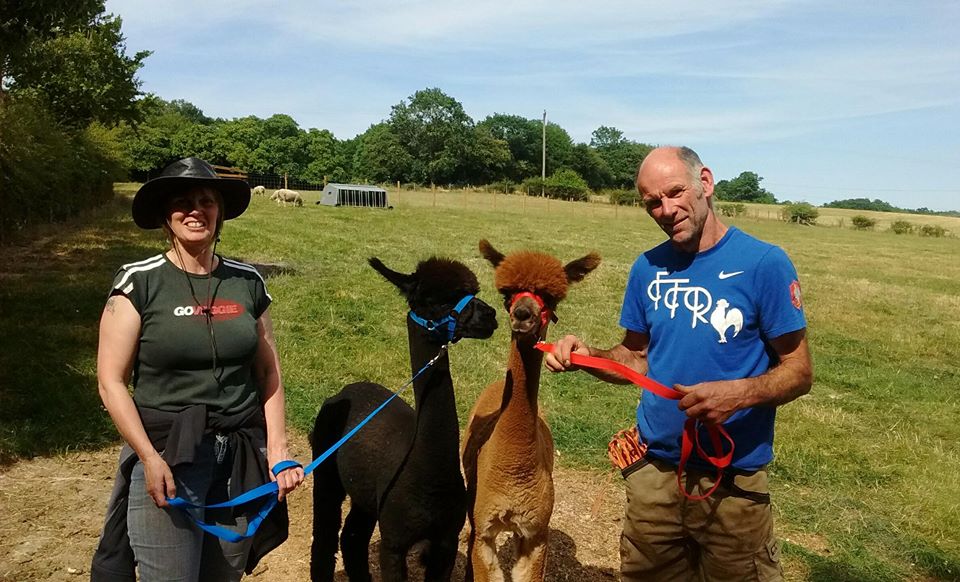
(160, 485)
(287, 480)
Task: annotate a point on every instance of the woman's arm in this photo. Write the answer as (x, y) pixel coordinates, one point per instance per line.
(266, 369)
(119, 336)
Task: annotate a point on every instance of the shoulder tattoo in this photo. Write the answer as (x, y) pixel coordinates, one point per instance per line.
(111, 304)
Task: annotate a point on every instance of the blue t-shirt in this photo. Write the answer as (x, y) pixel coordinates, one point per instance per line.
(710, 316)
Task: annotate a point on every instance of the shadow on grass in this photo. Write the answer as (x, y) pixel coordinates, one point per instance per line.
(52, 290)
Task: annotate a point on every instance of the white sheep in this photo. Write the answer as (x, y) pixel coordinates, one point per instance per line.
(282, 196)
(259, 191)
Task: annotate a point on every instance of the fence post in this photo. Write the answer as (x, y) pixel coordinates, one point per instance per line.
(284, 179)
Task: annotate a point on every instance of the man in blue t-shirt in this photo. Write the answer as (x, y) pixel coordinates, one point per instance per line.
(717, 315)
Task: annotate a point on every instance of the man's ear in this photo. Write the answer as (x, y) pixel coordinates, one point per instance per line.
(706, 181)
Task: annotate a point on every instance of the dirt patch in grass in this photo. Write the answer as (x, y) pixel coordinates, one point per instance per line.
(53, 510)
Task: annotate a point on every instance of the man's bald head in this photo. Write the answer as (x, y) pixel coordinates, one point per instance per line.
(663, 154)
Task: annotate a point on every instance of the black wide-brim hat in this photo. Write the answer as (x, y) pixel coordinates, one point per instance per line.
(148, 204)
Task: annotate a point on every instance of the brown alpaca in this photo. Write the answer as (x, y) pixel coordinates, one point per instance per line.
(508, 448)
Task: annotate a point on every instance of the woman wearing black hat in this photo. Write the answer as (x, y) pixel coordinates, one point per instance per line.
(206, 419)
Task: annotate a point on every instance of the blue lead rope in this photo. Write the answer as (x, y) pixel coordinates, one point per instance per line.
(270, 489)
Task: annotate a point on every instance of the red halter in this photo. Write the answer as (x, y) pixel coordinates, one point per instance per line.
(545, 313)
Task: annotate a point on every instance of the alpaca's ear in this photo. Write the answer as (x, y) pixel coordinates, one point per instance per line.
(580, 268)
(405, 283)
(491, 254)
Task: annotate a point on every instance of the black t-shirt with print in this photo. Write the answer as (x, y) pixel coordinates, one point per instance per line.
(173, 368)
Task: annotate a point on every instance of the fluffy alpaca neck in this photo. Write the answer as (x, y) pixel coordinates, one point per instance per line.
(518, 411)
(437, 440)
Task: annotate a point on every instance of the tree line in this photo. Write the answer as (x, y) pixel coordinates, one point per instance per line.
(427, 138)
(878, 205)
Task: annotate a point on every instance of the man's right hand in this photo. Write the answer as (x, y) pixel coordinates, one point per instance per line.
(559, 359)
(160, 485)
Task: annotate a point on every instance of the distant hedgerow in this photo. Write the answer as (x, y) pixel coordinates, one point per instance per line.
(800, 213)
(861, 222)
(732, 209)
(933, 230)
(901, 227)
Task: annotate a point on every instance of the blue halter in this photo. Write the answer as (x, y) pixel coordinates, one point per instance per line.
(450, 320)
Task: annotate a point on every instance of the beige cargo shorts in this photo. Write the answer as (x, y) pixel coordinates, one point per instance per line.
(728, 536)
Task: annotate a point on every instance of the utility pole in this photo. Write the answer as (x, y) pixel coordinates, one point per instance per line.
(543, 159)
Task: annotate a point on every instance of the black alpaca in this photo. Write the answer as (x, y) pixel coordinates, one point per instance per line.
(403, 468)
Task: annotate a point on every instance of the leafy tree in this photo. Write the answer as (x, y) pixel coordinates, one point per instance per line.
(434, 131)
(200, 141)
(605, 137)
(240, 138)
(559, 147)
(82, 76)
(523, 139)
(743, 188)
(624, 197)
(380, 157)
(901, 227)
(485, 157)
(323, 158)
(166, 133)
(861, 222)
(278, 150)
(189, 111)
(621, 155)
(564, 184)
(586, 162)
(800, 213)
(732, 209)
(23, 23)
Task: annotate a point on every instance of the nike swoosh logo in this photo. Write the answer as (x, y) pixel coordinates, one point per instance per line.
(723, 275)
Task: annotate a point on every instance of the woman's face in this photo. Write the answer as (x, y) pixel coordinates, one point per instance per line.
(193, 215)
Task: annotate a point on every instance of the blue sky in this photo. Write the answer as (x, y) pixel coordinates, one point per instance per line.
(824, 99)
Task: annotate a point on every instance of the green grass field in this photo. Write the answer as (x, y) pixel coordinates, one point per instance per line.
(866, 477)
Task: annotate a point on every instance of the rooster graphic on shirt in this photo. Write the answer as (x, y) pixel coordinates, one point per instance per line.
(721, 319)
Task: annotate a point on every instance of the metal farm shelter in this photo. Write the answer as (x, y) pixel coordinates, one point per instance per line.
(354, 195)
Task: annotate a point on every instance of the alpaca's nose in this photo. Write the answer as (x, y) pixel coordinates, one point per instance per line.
(522, 313)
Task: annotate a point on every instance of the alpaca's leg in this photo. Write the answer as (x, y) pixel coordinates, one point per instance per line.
(486, 566)
(531, 563)
(440, 560)
(355, 543)
(468, 569)
(393, 564)
(328, 495)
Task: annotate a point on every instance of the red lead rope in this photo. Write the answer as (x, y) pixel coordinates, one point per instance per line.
(691, 437)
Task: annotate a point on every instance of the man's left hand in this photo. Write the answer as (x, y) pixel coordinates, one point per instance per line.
(712, 402)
